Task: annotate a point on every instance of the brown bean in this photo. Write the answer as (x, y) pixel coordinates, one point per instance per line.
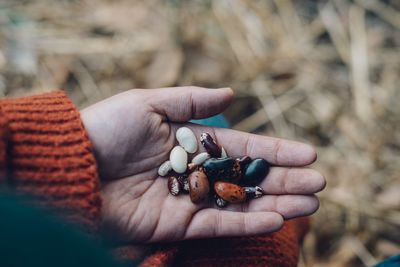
(198, 186)
(230, 192)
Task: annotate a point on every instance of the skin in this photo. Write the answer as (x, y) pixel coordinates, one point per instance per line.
(132, 134)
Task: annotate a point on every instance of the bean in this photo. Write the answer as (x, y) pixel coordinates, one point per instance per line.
(174, 186)
(200, 158)
(230, 192)
(220, 202)
(186, 139)
(198, 186)
(209, 144)
(178, 158)
(255, 172)
(165, 168)
(226, 169)
(254, 192)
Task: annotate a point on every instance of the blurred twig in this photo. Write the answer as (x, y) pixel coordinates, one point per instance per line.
(385, 11)
(359, 64)
(336, 30)
(86, 82)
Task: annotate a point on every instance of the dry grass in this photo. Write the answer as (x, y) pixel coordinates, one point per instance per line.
(321, 72)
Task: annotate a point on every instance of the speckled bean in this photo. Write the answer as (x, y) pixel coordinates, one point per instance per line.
(230, 192)
(174, 186)
(199, 186)
(209, 144)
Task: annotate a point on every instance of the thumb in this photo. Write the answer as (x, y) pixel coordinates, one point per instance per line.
(181, 104)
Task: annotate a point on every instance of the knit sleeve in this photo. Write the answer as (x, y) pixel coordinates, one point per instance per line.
(46, 154)
(277, 249)
(3, 147)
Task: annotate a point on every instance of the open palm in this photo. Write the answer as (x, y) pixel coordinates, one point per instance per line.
(133, 133)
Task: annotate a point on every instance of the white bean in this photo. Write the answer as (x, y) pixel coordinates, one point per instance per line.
(186, 139)
(165, 168)
(178, 158)
(200, 158)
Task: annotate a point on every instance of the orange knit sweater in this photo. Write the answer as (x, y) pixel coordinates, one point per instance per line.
(45, 153)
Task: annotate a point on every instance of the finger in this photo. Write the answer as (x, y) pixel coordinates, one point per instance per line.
(299, 181)
(289, 206)
(218, 223)
(276, 151)
(180, 104)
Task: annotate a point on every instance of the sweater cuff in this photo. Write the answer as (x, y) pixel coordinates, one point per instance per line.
(50, 156)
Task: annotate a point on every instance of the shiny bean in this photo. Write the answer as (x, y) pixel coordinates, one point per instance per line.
(210, 146)
(226, 169)
(230, 192)
(198, 186)
(255, 172)
(184, 182)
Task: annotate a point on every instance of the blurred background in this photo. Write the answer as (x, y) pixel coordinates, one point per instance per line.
(323, 72)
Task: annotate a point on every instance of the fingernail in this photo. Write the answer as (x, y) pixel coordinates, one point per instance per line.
(227, 89)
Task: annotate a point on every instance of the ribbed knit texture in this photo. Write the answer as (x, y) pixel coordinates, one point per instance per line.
(280, 249)
(50, 155)
(277, 249)
(3, 147)
(45, 152)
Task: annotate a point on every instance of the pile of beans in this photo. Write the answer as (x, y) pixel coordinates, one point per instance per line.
(212, 173)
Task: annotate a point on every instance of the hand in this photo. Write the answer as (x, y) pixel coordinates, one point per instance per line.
(132, 134)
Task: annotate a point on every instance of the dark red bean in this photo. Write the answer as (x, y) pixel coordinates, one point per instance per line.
(210, 146)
